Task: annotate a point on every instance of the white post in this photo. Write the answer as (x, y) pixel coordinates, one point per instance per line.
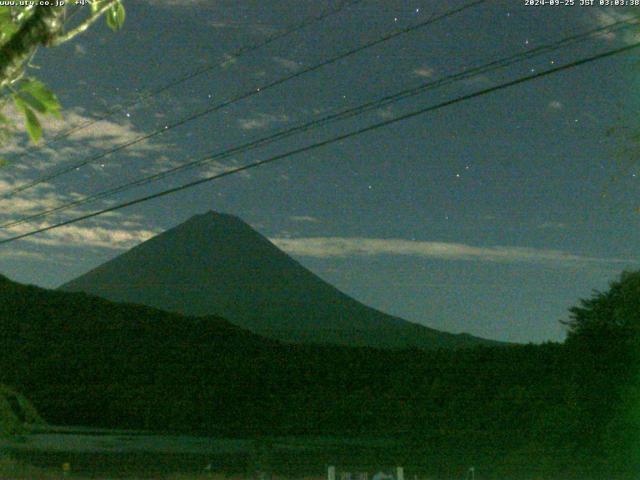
(331, 473)
(399, 473)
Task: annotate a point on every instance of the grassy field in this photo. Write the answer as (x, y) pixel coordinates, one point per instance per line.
(12, 469)
(120, 454)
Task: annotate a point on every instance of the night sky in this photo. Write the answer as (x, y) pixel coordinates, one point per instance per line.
(492, 216)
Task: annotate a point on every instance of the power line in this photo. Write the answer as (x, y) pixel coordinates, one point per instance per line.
(344, 114)
(332, 140)
(252, 92)
(200, 71)
(243, 96)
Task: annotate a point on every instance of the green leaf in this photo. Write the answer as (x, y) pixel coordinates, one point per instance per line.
(32, 124)
(5, 15)
(41, 92)
(111, 19)
(33, 103)
(11, 19)
(120, 14)
(116, 16)
(40, 98)
(7, 29)
(20, 105)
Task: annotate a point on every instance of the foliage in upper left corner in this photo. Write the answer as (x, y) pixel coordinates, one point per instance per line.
(32, 98)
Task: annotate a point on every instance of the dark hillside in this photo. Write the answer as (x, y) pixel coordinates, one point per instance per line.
(89, 361)
(511, 411)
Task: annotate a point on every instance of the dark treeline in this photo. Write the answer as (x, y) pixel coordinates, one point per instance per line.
(529, 411)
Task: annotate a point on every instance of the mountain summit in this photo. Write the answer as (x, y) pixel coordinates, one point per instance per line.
(216, 264)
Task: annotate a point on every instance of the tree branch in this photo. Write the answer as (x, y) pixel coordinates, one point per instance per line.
(39, 29)
(65, 37)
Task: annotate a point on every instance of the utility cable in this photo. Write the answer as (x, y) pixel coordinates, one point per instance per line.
(243, 96)
(344, 114)
(332, 140)
(200, 71)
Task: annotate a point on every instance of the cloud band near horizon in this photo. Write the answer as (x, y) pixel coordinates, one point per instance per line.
(332, 247)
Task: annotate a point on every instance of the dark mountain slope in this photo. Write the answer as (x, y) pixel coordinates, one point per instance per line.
(82, 359)
(86, 361)
(217, 264)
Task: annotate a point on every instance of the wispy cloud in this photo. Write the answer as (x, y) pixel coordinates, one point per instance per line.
(291, 65)
(213, 168)
(602, 18)
(304, 218)
(103, 135)
(37, 199)
(555, 105)
(386, 113)
(17, 252)
(262, 120)
(22, 254)
(327, 247)
(477, 80)
(553, 226)
(113, 230)
(80, 49)
(109, 237)
(229, 60)
(424, 72)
